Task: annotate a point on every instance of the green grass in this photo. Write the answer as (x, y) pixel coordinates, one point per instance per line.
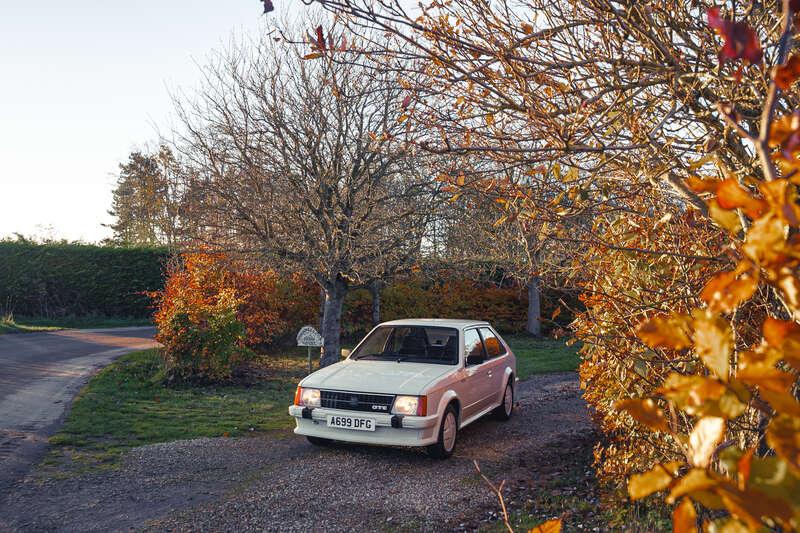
(21, 324)
(541, 356)
(127, 405)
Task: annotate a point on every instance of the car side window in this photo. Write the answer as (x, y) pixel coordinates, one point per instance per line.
(494, 348)
(473, 345)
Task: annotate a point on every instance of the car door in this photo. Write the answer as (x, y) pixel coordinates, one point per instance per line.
(475, 385)
(496, 362)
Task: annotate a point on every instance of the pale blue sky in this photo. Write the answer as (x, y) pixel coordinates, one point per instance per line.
(82, 83)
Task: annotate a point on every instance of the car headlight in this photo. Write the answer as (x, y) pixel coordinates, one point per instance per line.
(410, 405)
(307, 397)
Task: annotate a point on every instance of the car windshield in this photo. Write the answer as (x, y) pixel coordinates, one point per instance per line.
(418, 344)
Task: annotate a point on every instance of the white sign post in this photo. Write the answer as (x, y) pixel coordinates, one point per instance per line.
(309, 337)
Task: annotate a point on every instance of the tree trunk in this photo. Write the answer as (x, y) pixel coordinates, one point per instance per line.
(375, 290)
(321, 308)
(332, 322)
(534, 325)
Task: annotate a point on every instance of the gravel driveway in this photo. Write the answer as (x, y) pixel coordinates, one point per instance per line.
(279, 482)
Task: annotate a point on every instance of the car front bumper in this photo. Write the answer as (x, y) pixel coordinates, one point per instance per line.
(414, 430)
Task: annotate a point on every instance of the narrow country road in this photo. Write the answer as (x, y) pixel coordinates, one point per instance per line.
(39, 375)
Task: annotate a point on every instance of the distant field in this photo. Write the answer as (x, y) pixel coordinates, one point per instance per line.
(21, 324)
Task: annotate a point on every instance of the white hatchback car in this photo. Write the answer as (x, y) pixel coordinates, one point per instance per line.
(409, 383)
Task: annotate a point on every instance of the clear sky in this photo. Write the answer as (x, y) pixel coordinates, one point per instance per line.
(82, 83)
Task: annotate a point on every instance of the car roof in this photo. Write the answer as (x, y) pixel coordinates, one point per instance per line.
(441, 322)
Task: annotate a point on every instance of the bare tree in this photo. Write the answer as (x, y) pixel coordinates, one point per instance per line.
(299, 164)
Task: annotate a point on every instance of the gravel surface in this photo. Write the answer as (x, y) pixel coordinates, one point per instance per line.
(279, 482)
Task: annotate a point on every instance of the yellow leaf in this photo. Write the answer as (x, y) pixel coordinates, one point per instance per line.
(684, 518)
(691, 390)
(704, 439)
(659, 478)
(489, 119)
(645, 412)
(402, 118)
(713, 342)
(551, 526)
(696, 480)
(499, 221)
(667, 331)
(460, 180)
(782, 402)
(727, 219)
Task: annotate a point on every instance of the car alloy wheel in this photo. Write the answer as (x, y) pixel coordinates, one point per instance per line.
(506, 408)
(508, 400)
(449, 432)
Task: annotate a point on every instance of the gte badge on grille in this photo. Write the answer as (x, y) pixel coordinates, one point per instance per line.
(380, 407)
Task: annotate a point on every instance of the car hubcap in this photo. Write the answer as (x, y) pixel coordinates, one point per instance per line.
(449, 432)
(508, 401)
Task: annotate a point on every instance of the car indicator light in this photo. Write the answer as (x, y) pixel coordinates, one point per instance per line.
(422, 406)
(297, 395)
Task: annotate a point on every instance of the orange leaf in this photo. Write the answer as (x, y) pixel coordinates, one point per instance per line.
(659, 478)
(698, 184)
(696, 480)
(667, 331)
(782, 402)
(725, 291)
(731, 195)
(551, 526)
(313, 55)
(684, 518)
(645, 412)
(781, 196)
(788, 73)
(743, 468)
(555, 313)
(690, 392)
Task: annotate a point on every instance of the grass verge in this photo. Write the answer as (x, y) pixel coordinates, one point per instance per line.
(127, 405)
(22, 324)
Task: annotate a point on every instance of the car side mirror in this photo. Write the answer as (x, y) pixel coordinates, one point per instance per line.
(345, 353)
(475, 359)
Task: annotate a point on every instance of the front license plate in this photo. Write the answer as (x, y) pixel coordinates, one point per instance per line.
(351, 422)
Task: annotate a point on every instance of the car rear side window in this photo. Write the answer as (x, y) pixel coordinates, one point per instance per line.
(494, 348)
(473, 346)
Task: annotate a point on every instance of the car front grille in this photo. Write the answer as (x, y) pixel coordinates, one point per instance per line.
(356, 401)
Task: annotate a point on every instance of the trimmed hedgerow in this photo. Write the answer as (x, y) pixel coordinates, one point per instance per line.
(70, 279)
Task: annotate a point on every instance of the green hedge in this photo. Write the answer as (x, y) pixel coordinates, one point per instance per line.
(67, 279)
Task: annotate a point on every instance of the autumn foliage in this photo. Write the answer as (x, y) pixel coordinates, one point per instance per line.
(705, 374)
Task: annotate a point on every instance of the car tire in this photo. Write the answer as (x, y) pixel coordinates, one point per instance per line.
(319, 441)
(448, 434)
(506, 407)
